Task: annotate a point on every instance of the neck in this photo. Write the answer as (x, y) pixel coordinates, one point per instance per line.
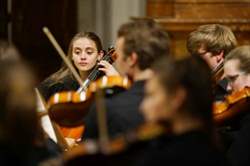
(186, 123)
(142, 74)
(83, 75)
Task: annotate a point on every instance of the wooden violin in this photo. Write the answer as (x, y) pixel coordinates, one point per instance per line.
(95, 73)
(69, 108)
(234, 105)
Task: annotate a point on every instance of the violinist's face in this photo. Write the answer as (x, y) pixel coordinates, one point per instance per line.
(85, 54)
(213, 60)
(237, 79)
(155, 106)
(121, 63)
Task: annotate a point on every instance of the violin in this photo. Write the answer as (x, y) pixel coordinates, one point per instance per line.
(217, 74)
(234, 105)
(68, 108)
(114, 152)
(95, 73)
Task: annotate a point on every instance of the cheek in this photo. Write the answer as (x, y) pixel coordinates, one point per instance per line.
(154, 108)
(120, 65)
(75, 58)
(93, 58)
(238, 85)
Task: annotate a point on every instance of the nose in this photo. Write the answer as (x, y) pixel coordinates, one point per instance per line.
(229, 87)
(83, 56)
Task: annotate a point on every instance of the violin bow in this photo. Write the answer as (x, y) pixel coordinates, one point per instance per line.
(43, 108)
(102, 121)
(63, 55)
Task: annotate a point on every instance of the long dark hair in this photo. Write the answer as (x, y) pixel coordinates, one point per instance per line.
(64, 71)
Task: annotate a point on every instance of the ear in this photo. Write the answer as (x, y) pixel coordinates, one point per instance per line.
(132, 59)
(100, 55)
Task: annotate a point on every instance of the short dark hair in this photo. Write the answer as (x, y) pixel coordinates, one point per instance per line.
(147, 39)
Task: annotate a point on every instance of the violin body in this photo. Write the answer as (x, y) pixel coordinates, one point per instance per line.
(69, 108)
(234, 105)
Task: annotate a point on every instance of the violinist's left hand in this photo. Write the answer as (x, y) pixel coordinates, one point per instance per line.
(107, 68)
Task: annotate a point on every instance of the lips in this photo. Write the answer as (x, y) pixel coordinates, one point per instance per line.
(82, 63)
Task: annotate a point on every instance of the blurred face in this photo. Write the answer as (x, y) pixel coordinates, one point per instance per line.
(121, 63)
(85, 54)
(212, 60)
(156, 103)
(237, 79)
(21, 88)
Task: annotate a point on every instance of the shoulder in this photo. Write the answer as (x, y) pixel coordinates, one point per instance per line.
(48, 87)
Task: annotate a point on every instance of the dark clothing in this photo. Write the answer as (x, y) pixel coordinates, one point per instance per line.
(48, 87)
(122, 112)
(26, 156)
(239, 151)
(191, 148)
(220, 90)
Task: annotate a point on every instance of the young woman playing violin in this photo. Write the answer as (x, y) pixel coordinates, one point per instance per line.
(85, 52)
(174, 100)
(237, 72)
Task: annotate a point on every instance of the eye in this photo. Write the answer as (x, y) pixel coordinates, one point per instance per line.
(89, 52)
(77, 52)
(232, 78)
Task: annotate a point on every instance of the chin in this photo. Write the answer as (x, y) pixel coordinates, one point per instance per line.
(84, 68)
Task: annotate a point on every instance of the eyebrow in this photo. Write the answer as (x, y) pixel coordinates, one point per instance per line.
(90, 48)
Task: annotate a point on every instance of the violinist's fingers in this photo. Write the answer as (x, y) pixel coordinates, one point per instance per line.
(108, 69)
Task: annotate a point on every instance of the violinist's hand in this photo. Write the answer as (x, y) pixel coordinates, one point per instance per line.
(107, 68)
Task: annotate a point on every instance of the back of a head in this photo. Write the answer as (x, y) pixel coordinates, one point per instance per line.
(212, 37)
(18, 120)
(193, 75)
(145, 38)
(8, 52)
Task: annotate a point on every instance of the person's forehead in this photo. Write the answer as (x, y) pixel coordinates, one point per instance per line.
(84, 43)
(232, 65)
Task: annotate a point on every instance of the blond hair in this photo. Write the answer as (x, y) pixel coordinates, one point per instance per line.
(212, 37)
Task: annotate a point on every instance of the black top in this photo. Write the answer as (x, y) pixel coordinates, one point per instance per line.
(191, 148)
(48, 87)
(220, 90)
(239, 151)
(27, 156)
(122, 112)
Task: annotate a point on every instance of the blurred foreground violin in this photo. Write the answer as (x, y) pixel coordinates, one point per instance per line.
(116, 151)
(234, 105)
